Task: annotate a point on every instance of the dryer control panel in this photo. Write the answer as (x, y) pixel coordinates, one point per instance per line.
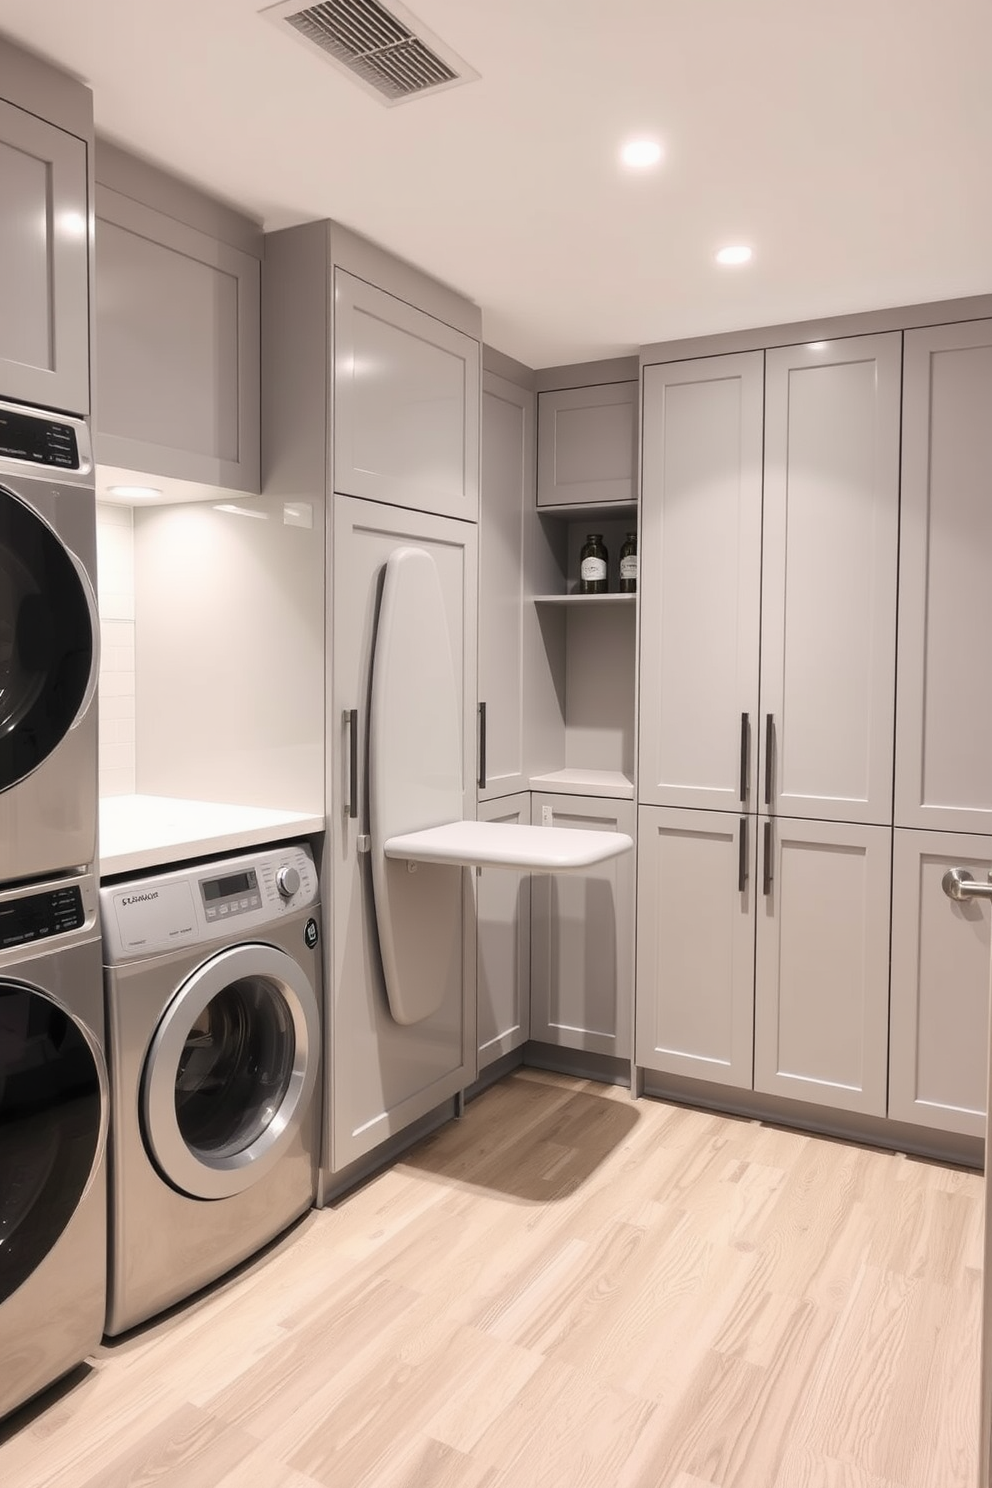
(232, 899)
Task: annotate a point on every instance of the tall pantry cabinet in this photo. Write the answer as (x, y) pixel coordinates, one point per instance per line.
(371, 407)
(770, 488)
(943, 778)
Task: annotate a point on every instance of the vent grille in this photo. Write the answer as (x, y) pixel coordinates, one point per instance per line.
(377, 47)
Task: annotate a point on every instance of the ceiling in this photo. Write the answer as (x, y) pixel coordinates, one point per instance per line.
(849, 143)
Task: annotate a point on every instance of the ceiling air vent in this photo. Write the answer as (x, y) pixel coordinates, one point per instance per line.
(388, 52)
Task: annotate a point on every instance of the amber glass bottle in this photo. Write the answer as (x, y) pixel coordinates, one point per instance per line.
(592, 565)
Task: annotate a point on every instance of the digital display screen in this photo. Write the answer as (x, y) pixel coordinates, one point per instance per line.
(43, 441)
(226, 888)
(39, 915)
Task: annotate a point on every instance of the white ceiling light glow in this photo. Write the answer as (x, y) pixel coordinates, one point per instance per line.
(640, 154)
(135, 493)
(736, 254)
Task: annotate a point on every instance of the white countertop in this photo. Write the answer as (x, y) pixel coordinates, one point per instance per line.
(146, 831)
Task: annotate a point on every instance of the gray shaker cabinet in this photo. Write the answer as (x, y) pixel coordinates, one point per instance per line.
(944, 702)
(406, 404)
(582, 936)
(44, 287)
(822, 963)
(587, 445)
(938, 1044)
(503, 910)
(696, 896)
(177, 348)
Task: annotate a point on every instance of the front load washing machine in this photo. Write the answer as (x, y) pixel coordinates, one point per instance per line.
(53, 1123)
(49, 645)
(213, 1002)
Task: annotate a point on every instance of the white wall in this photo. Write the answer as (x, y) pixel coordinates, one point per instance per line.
(115, 584)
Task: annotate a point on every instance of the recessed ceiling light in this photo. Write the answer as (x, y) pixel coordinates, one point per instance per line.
(640, 154)
(135, 493)
(734, 255)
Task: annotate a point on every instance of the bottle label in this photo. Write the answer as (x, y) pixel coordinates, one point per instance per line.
(628, 566)
(592, 568)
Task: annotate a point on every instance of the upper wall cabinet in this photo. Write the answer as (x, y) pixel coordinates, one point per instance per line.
(177, 348)
(944, 703)
(406, 404)
(829, 568)
(701, 581)
(816, 741)
(587, 445)
(44, 286)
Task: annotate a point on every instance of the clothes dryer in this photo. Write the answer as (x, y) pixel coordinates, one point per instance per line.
(53, 1123)
(49, 645)
(213, 1000)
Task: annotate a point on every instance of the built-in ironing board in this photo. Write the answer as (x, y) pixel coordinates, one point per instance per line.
(419, 839)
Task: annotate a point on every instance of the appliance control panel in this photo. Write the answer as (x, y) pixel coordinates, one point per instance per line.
(40, 439)
(230, 899)
(41, 916)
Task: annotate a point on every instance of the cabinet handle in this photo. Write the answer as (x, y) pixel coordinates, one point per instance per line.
(958, 883)
(766, 882)
(769, 745)
(350, 720)
(742, 858)
(482, 746)
(745, 751)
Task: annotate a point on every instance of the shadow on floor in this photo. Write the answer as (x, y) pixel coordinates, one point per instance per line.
(527, 1140)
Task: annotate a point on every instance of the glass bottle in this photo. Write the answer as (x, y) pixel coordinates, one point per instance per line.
(628, 564)
(592, 565)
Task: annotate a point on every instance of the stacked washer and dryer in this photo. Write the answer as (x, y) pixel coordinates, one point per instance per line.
(53, 1083)
(202, 999)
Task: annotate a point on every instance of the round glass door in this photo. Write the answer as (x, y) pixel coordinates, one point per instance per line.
(52, 1126)
(231, 1070)
(46, 641)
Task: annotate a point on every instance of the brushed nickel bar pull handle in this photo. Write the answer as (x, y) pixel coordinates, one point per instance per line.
(745, 751)
(959, 884)
(766, 885)
(769, 744)
(350, 719)
(742, 858)
(482, 746)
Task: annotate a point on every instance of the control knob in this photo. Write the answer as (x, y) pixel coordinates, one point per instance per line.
(287, 882)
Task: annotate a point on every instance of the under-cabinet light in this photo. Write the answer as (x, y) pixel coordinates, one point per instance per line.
(135, 493)
(640, 154)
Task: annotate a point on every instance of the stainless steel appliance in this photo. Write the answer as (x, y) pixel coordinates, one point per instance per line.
(213, 1001)
(53, 1122)
(49, 645)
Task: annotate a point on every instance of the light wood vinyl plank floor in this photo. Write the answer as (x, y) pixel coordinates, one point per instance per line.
(566, 1289)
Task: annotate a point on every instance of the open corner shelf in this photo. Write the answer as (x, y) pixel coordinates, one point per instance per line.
(585, 599)
(613, 784)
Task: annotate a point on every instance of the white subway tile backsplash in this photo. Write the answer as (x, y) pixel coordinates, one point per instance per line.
(115, 584)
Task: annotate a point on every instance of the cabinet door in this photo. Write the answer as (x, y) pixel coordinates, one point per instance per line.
(938, 1043)
(406, 404)
(829, 578)
(695, 944)
(700, 582)
(44, 288)
(587, 445)
(503, 906)
(383, 1074)
(944, 704)
(177, 334)
(507, 499)
(822, 963)
(582, 929)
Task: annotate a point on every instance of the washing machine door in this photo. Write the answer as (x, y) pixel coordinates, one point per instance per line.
(53, 1125)
(47, 640)
(231, 1071)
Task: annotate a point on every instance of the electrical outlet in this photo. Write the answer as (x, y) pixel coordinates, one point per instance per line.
(547, 816)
